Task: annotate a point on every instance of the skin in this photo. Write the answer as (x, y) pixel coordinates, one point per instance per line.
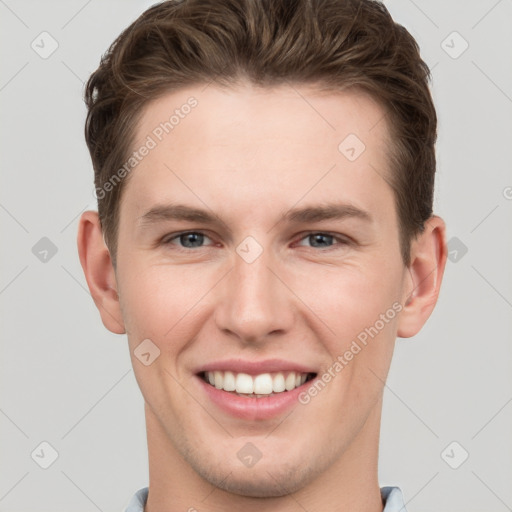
(249, 155)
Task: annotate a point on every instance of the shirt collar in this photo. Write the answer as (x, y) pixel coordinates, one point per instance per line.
(391, 498)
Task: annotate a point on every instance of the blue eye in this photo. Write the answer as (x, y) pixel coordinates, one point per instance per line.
(190, 240)
(320, 238)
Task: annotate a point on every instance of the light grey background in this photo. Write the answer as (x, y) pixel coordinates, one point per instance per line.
(67, 381)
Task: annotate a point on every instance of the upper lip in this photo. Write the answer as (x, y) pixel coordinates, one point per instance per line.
(254, 367)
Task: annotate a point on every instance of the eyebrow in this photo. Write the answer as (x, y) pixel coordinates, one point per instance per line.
(308, 214)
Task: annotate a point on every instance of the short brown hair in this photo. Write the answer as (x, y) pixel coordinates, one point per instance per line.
(334, 43)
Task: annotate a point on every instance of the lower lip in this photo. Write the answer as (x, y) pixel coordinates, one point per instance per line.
(252, 409)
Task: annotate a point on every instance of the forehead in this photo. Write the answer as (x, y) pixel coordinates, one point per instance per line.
(270, 145)
(249, 111)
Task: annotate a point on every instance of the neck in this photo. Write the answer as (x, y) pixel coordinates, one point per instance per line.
(349, 484)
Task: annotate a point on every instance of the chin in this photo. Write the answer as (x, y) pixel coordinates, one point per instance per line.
(262, 482)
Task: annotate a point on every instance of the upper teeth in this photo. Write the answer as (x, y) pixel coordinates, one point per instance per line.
(263, 384)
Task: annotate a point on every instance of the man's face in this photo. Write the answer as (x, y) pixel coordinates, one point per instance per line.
(260, 283)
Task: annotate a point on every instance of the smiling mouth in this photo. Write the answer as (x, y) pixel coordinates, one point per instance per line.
(256, 386)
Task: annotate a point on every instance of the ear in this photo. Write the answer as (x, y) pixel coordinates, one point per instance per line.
(428, 260)
(99, 271)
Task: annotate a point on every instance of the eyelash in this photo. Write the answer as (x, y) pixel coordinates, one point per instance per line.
(343, 241)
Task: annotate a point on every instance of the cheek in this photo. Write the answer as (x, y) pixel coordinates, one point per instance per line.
(361, 309)
(160, 301)
(348, 300)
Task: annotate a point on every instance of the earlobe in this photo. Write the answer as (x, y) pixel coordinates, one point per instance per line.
(428, 261)
(99, 271)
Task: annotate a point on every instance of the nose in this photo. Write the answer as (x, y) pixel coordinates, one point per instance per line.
(255, 301)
